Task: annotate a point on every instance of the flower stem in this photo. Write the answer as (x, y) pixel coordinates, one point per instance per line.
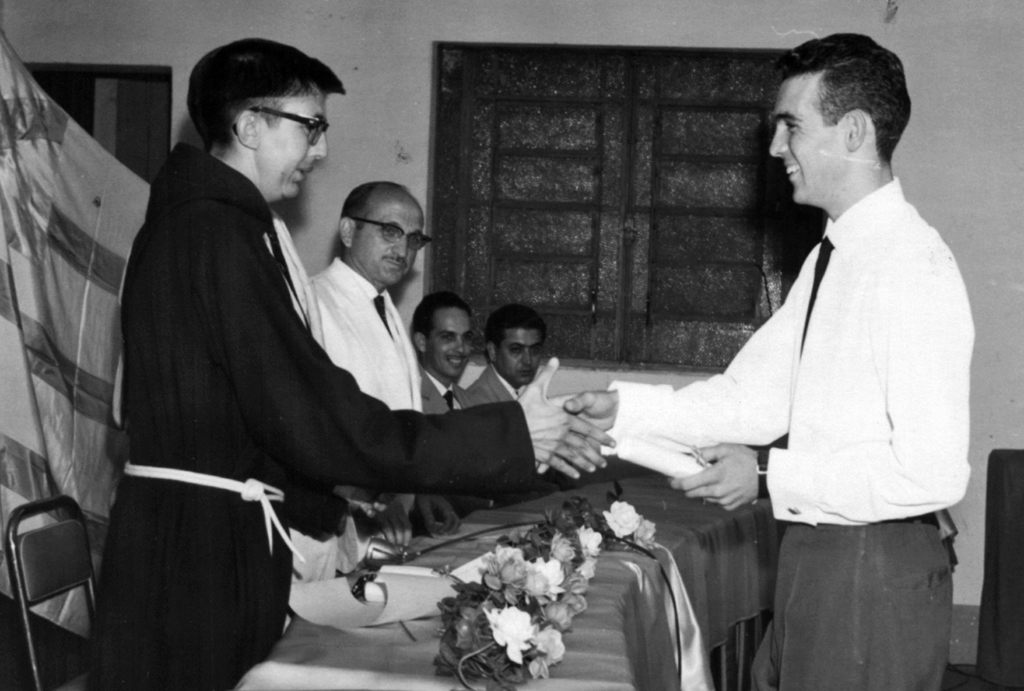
(466, 657)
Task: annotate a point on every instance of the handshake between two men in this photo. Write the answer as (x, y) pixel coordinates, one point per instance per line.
(580, 427)
(569, 431)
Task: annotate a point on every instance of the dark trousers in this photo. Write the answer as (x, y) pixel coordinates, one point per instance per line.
(863, 608)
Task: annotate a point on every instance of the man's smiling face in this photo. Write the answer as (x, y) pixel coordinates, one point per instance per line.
(446, 348)
(811, 150)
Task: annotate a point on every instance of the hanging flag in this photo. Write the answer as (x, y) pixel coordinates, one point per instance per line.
(68, 213)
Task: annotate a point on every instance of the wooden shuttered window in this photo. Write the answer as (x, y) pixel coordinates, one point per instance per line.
(625, 194)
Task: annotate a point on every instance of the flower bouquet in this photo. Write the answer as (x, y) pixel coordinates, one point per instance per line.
(532, 586)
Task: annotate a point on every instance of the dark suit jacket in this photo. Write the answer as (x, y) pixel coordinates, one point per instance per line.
(433, 401)
(488, 388)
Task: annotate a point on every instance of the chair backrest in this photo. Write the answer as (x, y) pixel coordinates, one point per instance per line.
(47, 561)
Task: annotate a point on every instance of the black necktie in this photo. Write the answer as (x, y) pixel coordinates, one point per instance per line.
(378, 302)
(275, 248)
(449, 398)
(819, 270)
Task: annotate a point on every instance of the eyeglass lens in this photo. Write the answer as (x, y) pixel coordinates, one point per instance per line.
(392, 233)
(314, 126)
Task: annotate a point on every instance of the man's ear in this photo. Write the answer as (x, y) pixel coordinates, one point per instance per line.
(346, 230)
(247, 129)
(859, 128)
(419, 341)
(492, 352)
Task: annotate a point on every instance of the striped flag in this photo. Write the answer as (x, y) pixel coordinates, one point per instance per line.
(68, 213)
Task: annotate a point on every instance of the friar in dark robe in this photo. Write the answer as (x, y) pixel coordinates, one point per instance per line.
(231, 402)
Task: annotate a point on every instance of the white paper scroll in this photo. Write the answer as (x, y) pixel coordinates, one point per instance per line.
(671, 462)
(399, 593)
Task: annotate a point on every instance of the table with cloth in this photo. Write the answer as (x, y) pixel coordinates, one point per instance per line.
(623, 641)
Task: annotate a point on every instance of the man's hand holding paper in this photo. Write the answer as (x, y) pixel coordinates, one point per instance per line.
(730, 478)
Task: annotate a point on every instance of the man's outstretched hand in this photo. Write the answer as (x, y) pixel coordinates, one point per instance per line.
(567, 443)
(599, 408)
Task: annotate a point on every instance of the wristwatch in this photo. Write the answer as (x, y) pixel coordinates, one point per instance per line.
(762, 473)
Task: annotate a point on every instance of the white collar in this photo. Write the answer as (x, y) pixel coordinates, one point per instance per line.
(514, 392)
(858, 219)
(364, 285)
(438, 385)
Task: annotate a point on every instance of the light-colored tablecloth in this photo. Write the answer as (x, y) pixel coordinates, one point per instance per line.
(727, 559)
(622, 642)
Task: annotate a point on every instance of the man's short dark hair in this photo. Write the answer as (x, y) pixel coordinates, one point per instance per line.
(513, 316)
(358, 201)
(857, 74)
(423, 317)
(253, 71)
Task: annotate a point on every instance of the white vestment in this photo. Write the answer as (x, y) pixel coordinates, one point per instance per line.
(383, 364)
(382, 360)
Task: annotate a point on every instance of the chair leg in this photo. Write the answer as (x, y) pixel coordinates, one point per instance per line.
(33, 660)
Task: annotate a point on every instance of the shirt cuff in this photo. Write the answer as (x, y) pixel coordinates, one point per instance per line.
(790, 486)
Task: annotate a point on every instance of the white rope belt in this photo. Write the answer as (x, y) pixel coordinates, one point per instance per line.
(251, 490)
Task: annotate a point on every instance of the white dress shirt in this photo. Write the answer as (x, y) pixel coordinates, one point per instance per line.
(876, 406)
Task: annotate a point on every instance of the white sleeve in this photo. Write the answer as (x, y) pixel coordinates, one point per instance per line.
(748, 403)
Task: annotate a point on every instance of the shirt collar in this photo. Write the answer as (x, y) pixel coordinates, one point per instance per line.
(442, 389)
(363, 284)
(859, 219)
(514, 392)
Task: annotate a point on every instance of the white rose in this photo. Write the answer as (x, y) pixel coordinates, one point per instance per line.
(544, 578)
(562, 549)
(623, 519)
(514, 629)
(549, 643)
(590, 541)
(550, 650)
(645, 534)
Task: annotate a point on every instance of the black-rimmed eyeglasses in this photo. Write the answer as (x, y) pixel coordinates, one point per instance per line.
(394, 233)
(314, 126)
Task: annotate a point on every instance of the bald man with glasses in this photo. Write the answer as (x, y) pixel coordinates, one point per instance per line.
(381, 230)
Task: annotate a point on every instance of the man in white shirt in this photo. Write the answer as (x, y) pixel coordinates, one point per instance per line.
(381, 230)
(866, 367)
(514, 338)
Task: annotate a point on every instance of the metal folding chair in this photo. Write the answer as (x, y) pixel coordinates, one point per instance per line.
(48, 561)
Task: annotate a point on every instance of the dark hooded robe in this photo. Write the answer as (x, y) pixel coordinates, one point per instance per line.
(223, 378)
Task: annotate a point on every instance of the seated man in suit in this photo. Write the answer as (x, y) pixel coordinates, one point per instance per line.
(381, 232)
(514, 337)
(442, 337)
